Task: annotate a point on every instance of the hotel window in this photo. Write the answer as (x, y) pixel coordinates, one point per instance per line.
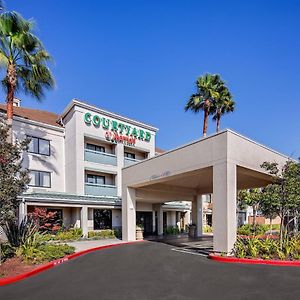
(95, 147)
(102, 219)
(39, 146)
(95, 179)
(40, 179)
(129, 155)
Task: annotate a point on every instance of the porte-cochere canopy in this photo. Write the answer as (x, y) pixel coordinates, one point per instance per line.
(220, 165)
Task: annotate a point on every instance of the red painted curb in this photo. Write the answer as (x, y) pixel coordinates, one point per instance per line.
(286, 263)
(51, 264)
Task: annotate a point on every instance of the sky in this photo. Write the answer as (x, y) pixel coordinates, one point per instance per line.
(141, 58)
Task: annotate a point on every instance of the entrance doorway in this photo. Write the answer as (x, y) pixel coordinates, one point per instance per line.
(145, 219)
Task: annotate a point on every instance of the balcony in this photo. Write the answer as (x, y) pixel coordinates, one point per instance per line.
(100, 157)
(100, 189)
(130, 161)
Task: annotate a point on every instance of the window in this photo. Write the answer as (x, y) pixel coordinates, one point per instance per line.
(39, 146)
(102, 219)
(129, 155)
(95, 179)
(40, 178)
(95, 147)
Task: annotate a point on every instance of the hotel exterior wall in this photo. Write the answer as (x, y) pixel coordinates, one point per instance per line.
(53, 163)
(77, 133)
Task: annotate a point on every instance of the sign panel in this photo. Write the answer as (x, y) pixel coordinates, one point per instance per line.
(117, 132)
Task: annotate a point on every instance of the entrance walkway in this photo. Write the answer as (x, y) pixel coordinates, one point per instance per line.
(84, 245)
(201, 245)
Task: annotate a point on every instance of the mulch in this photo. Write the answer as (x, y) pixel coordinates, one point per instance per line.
(15, 266)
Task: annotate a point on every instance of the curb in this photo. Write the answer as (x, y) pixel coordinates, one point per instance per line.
(54, 263)
(253, 261)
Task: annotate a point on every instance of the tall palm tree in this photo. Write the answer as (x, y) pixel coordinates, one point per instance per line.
(223, 105)
(208, 92)
(24, 59)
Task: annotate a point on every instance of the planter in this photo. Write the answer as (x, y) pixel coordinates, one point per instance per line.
(192, 230)
(139, 233)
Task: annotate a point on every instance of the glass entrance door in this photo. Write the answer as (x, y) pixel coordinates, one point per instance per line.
(145, 219)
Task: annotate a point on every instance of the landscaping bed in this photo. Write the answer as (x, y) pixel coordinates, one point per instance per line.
(15, 266)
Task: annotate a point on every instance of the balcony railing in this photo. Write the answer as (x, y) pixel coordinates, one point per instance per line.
(100, 157)
(130, 161)
(100, 189)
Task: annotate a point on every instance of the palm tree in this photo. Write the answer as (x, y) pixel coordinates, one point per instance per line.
(223, 105)
(208, 92)
(24, 59)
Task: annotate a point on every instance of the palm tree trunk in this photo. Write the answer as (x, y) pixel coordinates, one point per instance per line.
(11, 78)
(218, 122)
(206, 113)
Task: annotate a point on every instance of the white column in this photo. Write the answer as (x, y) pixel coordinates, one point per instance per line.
(199, 216)
(153, 221)
(22, 210)
(84, 220)
(224, 210)
(120, 164)
(160, 220)
(128, 214)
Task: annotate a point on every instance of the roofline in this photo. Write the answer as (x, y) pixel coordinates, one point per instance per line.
(104, 112)
(209, 137)
(36, 123)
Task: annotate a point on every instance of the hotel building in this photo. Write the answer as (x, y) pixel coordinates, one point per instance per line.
(75, 161)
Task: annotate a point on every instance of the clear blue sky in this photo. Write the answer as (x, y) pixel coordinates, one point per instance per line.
(141, 59)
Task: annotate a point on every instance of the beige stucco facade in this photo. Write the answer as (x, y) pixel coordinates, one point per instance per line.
(220, 165)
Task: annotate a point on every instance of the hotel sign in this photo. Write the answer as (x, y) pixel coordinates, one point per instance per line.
(117, 132)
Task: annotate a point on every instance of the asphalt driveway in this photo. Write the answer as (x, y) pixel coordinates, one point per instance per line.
(152, 270)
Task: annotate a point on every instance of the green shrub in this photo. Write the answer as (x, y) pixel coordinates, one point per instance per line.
(207, 229)
(64, 235)
(102, 234)
(45, 252)
(6, 251)
(249, 229)
(171, 230)
(70, 234)
(268, 248)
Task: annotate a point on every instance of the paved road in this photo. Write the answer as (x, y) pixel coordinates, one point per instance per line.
(152, 270)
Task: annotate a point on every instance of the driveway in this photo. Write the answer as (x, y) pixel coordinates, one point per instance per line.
(151, 270)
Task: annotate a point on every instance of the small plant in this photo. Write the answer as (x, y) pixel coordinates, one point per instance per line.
(267, 248)
(17, 234)
(102, 234)
(207, 229)
(171, 230)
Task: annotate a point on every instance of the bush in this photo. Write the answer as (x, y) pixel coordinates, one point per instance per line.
(47, 221)
(267, 248)
(6, 251)
(171, 230)
(70, 234)
(102, 234)
(64, 235)
(17, 234)
(249, 229)
(207, 229)
(45, 252)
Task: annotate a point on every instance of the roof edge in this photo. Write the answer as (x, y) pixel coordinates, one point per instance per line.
(83, 104)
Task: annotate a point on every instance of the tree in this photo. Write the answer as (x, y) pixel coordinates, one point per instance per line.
(284, 193)
(208, 92)
(269, 203)
(13, 179)
(46, 221)
(24, 60)
(251, 197)
(223, 105)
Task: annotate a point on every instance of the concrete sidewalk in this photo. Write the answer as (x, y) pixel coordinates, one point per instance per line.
(84, 245)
